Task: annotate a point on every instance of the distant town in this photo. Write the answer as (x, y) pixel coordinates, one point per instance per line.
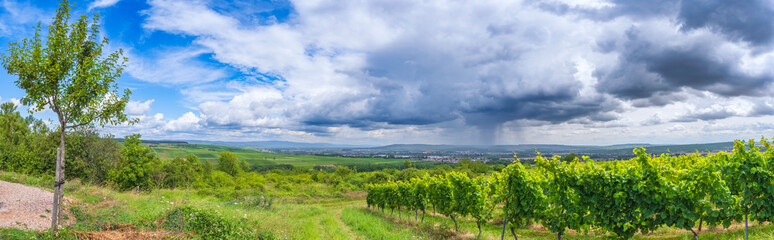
(456, 153)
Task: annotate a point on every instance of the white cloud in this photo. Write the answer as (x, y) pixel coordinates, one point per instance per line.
(15, 101)
(102, 4)
(188, 122)
(173, 67)
(256, 107)
(139, 108)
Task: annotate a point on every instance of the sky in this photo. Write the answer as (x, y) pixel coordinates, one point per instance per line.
(439, 71)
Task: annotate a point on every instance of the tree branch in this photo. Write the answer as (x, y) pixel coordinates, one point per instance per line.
(77, 125)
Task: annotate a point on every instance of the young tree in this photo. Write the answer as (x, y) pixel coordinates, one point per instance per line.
(136, 167)
(69, 75)
(227, 162)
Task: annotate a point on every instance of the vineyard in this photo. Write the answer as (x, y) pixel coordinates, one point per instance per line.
(618, 197)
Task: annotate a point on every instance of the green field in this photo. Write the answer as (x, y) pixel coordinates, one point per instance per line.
(257, 157)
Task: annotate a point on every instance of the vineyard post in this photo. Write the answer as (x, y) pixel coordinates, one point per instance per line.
(456, 229)
(505, 212)
(514, 233)
(700, 222)
(505, 222)
(746, 234)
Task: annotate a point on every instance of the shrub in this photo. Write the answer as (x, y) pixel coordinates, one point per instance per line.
(228, 163)
(209, 225)
(137, 167)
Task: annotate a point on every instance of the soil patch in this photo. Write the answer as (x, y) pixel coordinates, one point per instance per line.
(27, 207)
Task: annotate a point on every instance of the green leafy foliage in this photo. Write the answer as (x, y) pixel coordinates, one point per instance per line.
(137, 168)
(182, 172)
(621, 197)
(228, 163)
(208, 225)
(25, 143)
(524, 200)
(565, 211)
(68, 72)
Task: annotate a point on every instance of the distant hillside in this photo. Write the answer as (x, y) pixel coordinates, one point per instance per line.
(280, 144)
(683, 148)
(503, 148)
(623, 149)
(154, 141)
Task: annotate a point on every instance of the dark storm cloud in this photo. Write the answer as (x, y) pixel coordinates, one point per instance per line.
(751, 21)
(762, 109)
(659, 99)
(421, 83)
(617, 8)
(548, 108)
(650, 70)
(705, 115)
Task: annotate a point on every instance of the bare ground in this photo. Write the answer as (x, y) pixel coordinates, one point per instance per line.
(26, 207)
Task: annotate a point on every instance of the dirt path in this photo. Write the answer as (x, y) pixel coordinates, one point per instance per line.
(336, 208)
(25, 207)
(337, 214)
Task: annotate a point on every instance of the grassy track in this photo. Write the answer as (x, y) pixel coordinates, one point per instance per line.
(374, 227)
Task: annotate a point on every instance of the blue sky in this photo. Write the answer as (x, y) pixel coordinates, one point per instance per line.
(441, 71)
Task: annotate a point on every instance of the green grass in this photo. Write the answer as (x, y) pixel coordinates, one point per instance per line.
(375, 227)
(10, 233)
(257, 157)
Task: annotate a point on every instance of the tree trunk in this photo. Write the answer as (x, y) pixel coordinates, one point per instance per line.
(416, 215)
(559, 236)
(456, 229)
(61, 185)
(58, 180)
(423, 215)
(695, 236)
(55, 206)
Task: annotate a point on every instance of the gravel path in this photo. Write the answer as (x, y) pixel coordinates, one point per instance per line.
(25, 206)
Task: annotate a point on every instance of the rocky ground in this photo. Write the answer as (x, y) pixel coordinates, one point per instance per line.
(25, 207)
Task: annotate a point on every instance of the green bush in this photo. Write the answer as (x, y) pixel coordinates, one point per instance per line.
(208, 225)
(138, 167)
(221, 179)
(182, 172)
(228, 163)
